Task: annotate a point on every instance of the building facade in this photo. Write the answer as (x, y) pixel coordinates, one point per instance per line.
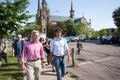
(43, 17)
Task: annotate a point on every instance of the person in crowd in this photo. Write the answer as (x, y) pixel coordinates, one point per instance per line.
(47, 50)
(13, 40)
(79, 46)
(42, 40)
(3, 52)
(18, 48)
(59, 49)
(33, 54)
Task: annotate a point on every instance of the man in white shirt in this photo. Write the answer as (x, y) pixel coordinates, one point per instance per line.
(59, 49)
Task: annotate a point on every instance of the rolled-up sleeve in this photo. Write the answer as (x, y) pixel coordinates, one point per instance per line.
(65, 45)
(51, 46)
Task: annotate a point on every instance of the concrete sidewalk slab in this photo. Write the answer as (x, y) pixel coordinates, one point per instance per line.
(48, 74)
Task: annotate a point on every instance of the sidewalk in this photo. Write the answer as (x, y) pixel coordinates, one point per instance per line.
(48, 74)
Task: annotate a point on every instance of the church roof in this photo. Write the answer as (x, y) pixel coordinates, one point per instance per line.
(79, 19)
(56, 18)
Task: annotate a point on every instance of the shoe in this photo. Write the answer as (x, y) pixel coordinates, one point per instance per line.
(65, 74)
(53, 70)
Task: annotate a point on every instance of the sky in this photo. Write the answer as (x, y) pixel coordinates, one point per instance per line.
(99, 11)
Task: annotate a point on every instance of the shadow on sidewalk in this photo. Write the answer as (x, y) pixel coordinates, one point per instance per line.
(48, 72)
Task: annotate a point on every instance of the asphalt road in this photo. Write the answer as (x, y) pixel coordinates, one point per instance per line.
(97, 61)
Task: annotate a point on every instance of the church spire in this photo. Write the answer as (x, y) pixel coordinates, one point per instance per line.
(71, 11)
(44, 3)
(38, 6)
(71, 5)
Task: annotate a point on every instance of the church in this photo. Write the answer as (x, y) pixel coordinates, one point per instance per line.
(43, 17)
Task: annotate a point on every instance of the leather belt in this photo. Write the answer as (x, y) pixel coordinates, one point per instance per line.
(59, 56)
(34, 60)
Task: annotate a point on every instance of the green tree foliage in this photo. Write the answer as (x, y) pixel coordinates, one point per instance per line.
(118, 32)
(63, 27)
(12, 15)
(51, 30)
(81, 30)
(95, 33)
(25, 31)
(52, 27)
(103, 32)
(71, 28)
(116, 17)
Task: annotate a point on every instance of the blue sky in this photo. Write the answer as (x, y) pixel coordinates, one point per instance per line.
(99, 11)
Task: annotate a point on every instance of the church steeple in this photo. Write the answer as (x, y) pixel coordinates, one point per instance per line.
(71, 11)
(38, 5)
(71, 5)
(44, 3)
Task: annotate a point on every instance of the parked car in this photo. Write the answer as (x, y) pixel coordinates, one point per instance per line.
(82, 37)
(102, 39)
(75, 38)
(106, 39)
(110, 40)
(115, 40)
(67, 39)
(119, 40)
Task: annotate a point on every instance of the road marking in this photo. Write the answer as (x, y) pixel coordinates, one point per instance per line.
(89, 62)
(105, 59)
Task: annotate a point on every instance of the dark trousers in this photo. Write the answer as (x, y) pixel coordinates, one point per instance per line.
(4, 56)
(48, 54)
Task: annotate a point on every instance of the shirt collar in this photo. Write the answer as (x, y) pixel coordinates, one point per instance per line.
(33, 42)
(58, 38)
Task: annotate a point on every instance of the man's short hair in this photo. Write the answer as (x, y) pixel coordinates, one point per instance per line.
(58, 29)
(34, 31)
(19, 35)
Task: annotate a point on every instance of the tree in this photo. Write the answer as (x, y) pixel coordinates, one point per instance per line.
(63, 27)
(116, 17)
(96, 33)
(81, 30)
(71, 28)
(29, 27)
(118, 32)
(103, 32)
(52, 27)
(12, 15)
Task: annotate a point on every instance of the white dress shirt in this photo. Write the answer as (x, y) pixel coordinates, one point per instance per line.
(58, 46)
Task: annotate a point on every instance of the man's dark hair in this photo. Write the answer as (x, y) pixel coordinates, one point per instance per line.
(58, 29)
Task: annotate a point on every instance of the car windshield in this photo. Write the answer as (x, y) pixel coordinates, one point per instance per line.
(108, 37)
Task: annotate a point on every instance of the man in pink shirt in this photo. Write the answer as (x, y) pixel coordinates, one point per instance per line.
(33, 52)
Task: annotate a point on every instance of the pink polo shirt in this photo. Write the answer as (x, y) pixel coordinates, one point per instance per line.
(32, 51)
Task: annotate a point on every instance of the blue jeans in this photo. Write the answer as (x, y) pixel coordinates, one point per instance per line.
(60, 66)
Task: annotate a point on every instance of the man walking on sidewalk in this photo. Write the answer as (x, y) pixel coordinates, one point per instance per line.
(34, 53)
(59, 49)
(18, 48)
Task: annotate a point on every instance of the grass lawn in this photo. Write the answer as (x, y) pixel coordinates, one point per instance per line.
(11, 71)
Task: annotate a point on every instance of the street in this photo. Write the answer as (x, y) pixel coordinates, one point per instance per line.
(97, 61)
